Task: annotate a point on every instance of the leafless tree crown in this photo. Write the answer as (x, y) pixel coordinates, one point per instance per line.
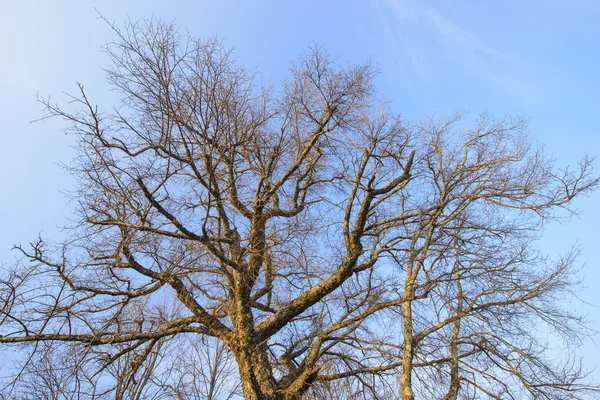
(235, 239)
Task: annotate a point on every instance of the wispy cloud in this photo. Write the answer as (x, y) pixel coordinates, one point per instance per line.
(424, 35)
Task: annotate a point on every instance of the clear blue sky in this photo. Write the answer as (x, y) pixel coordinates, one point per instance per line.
(538, 59)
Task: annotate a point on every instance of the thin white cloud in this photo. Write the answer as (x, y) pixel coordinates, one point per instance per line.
(423, 34)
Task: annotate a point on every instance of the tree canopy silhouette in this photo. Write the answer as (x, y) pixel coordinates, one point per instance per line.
(325, 247)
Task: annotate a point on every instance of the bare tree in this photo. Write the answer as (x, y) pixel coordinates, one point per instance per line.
(303, 230)
(202, 369)
(51, 371)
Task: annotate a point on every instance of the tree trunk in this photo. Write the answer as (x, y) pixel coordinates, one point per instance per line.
(408, 351)
(255, 374)
(454, 354)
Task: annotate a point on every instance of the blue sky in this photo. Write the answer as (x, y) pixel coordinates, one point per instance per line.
(537, 59)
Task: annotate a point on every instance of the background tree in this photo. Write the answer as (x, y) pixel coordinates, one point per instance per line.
(304, 230)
